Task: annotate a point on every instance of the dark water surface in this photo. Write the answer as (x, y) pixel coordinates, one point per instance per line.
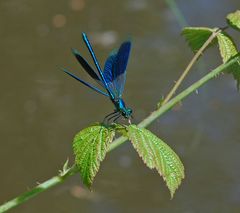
(41, 108)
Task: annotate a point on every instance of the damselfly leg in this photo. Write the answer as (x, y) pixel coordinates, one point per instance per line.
(108, 117)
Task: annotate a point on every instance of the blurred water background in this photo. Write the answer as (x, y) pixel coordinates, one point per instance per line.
(41, 108)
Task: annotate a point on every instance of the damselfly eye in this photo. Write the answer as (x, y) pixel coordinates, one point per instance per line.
(129, 110)
(127, 113)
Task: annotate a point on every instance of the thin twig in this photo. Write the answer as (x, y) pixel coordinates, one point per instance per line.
(186, 71)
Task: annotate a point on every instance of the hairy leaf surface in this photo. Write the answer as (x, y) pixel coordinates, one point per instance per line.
(228, 50)
(226, 46)
(157, 155)
(233, 19)
(90, 146)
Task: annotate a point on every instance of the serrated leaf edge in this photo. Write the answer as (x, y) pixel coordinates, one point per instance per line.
(165, 178)
(88, 178)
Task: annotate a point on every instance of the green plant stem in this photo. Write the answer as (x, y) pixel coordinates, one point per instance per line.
(163, 109)
(178, 14)
(37, 190)
(153, 116)
(189, 66)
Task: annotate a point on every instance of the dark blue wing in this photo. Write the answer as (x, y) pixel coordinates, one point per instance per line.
(121, 66)
(109, 66)
(86, 66)
(85, 83)
(115, 69)
(109, 72)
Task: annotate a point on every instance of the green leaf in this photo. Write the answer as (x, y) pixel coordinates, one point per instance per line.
(197, 36)
(233, 20)
(90, 146)
(226, 46)
(228, 50)
(157, 154)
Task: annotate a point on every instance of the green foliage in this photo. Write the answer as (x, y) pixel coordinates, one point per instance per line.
(90, 146)
(197, 36)
(233, 19)
(226, 46)
(228, 50)
(157, 154)
(92, 143)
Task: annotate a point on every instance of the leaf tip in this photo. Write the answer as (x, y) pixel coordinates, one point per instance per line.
(233, 20)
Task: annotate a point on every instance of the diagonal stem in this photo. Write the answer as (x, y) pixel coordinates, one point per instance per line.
(37, 190)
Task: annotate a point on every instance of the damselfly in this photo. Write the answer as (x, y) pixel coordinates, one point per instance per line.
(112, 78)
